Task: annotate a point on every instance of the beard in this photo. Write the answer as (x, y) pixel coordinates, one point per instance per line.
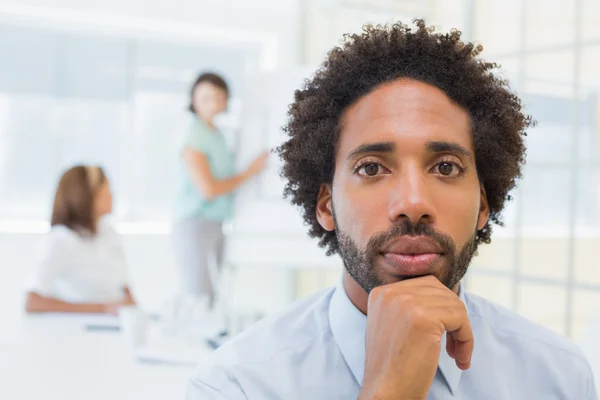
(362, 266)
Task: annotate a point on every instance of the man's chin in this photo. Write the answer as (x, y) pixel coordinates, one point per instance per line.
(404, 278)
(391, 279)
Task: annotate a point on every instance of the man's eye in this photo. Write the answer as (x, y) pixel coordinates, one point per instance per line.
(369, 169)
(448, 169)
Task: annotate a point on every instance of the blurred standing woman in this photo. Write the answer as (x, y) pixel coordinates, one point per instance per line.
(207, 183)
(83, 268)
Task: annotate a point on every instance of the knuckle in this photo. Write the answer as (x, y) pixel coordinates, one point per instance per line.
(455, 313)
(458, 311)
(401, 301)
(418, 317)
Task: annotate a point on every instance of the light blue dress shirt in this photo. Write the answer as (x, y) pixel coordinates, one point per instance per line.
(316, 350)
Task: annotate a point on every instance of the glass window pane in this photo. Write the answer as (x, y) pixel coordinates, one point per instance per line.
(498, 255)
(26, 187)
(307, 282)
(586, 266)
(589, 74)
(551, 141)
(491, 17)
(94, 67)
(495, 289)
(587, 143)
(171, 67)
(545, 193)
(560, 89)
(585, 315)
(64, 102)
(555, 66)
(543, 304)
(588, 199)
(30, 62)
(590, 24)
(548, 142)
(587, 269)
(160, 121)
(545, 257)
(64, 132)
(588, 227)
(549, 22)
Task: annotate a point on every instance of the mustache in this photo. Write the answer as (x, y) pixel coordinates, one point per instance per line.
(407, 228)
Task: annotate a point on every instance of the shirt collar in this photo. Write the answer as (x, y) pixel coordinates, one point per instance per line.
(349, 327)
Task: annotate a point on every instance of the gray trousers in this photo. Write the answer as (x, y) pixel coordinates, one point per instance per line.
(196, 243)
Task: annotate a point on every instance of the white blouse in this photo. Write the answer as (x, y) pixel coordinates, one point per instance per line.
(82, 269)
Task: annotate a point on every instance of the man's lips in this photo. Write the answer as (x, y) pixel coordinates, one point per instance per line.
(411, 255)
(410, 265)
(412, 245)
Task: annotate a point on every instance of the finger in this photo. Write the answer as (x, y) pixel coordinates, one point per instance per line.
(450, 345)
(463, 353)
(464, 343)
(425, 298)
(422, 288)
(426, 280)
(456, 322)
(429, 281)
(432, 293)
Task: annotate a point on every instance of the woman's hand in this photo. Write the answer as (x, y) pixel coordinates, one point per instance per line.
(258, 165)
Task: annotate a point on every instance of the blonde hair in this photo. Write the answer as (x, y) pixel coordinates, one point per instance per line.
(95, 177)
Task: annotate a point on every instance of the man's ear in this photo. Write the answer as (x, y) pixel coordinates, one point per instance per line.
(325, 208)
(484, 210)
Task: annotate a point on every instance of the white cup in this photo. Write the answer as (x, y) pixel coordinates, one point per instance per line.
(134, 325)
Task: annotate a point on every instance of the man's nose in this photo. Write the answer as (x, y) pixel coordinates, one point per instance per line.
(411, 198)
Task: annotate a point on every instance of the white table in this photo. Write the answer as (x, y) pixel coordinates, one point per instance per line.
(53, 357)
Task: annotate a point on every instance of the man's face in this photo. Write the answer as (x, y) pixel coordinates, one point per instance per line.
(406, 200)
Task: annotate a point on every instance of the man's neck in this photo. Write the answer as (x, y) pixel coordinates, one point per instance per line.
(358, 296)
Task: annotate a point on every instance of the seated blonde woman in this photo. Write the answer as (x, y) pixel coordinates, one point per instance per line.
(83, 268)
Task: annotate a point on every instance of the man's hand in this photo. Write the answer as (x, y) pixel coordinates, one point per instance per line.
(405, 324)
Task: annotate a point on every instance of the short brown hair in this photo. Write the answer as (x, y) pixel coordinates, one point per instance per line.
(208, 77)
(74, 198)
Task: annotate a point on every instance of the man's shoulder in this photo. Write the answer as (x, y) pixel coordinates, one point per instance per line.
(278, 341)
(292, 330)
(529, 338)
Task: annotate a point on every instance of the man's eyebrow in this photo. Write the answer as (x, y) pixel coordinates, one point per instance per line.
(442, 147)
(380, 147)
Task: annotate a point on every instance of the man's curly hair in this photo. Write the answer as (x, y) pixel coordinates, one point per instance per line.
(382, 54)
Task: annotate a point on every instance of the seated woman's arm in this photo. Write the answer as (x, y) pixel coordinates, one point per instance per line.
(128, 298)
(37, 303)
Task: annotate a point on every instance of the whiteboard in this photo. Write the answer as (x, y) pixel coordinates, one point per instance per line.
(266, 100)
